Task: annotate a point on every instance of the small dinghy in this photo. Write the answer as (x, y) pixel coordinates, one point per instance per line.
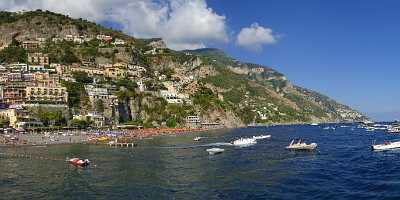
(197, 138)
(213, 151)
(260, 137)
(300, 145)
(387, 145)
(244, 142)
(79, 162)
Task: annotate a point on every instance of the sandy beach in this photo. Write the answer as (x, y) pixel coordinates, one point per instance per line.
(89, 136)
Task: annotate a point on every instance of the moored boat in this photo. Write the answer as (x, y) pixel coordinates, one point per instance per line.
(244, 142)
(197, 138)
(260, 137)
(79, 162)
(300, 145)
(387, 145)
(213, 151)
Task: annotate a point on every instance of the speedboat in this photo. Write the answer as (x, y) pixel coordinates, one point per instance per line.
(314, 124)
(197, 138)
(213, 151)
(244, 142)
(260, 137)
(386, 146)
(300, 145)
(79, 162)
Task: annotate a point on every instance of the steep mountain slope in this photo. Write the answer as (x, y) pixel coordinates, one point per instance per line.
(300, 104)
(221, 89)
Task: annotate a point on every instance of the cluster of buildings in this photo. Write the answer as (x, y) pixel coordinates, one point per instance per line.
(77, 39)
(38, 82)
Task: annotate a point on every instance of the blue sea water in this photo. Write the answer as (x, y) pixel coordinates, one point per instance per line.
(343, 167)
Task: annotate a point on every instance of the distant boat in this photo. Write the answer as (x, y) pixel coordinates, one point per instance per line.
(213, 151)
(79, 162)
(260, 137)
(244, 142)
(387, 145)
(300, 145)
(197, 138)
(314, 124)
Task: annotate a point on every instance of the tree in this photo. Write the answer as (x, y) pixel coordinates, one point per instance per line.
(4, 123)
(171, 122)
(128, 84)
(51, 118)
(99, 106)
(13, 54)
(82, 77)
(80, 123)
(69, 57)
(168, 72)
(74, 93)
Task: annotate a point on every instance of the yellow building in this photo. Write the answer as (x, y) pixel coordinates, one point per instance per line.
(38, 58)
(47, 94)
(89, 71)
(46, 79)
(116, 73)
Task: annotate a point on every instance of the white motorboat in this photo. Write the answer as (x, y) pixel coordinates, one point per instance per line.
(244, 142)
(197, 138)
(300, 145)
(314, 124)
(213, 151)
(386, 146)
(260, 137)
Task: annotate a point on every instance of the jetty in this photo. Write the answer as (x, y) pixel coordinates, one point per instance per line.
(121, 144)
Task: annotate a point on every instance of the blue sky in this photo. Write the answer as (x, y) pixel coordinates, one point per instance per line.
(344, 49)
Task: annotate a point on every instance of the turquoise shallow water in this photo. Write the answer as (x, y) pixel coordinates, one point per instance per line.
(344, 167)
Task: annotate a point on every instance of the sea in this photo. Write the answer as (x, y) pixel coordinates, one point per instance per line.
(176, 167)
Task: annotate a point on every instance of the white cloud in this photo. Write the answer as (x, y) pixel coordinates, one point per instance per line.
(181, 23)
(255, 37)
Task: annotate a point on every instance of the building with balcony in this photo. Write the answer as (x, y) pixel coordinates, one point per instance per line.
(38, 58)
(50, 95)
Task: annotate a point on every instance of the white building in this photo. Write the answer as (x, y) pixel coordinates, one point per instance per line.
(104, 37)
(18, 67)
(36, 68)
(118, 42)
(141, 85)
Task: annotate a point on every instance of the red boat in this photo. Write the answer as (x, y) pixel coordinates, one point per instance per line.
(79, 162)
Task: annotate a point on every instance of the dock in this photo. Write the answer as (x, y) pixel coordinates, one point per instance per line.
(116, 144)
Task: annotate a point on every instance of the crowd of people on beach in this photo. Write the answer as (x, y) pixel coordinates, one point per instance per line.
(89, 136)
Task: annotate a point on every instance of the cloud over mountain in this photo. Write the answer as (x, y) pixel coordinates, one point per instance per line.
(183, 24)
(255, 37)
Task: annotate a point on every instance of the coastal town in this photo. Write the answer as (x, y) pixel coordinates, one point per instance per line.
(64, 76)
(35, 97)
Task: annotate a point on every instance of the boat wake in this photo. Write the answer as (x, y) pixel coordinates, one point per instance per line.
(199, 145)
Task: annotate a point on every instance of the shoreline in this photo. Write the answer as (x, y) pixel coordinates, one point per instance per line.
(121, 136)
(92, 137)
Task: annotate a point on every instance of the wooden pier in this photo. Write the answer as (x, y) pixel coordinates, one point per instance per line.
(116, 144)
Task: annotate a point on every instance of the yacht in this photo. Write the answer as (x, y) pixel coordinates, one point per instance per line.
(300, 145)
(244, 142)
(260, 137)
(387, 145)
(213, 151)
